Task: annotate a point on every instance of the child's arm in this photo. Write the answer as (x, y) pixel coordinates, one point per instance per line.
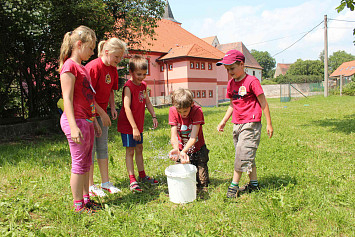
(127, 99)
(106, 121)
(193, 139)
(226, 117)
(151, 111)
(113, 105)
(265, 107)
(174, 153)
(67, 81)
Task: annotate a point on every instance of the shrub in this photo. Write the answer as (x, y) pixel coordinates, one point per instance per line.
(268, 82)
(349, 89)
(298, 78)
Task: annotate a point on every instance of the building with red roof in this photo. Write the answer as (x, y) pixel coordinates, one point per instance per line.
(347, 70)
(281, 69)
(179, 59)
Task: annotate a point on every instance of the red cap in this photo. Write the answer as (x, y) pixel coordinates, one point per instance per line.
(231, 57)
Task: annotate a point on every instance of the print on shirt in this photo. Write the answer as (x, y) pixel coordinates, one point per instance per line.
(238, 95)
(185, 133)
(141, 96)
(108, 78)
(87, 89)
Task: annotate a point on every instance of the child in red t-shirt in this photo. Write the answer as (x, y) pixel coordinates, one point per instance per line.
(247, 100)
(104, 77)
(186, 120)
(131, 120)
(78, 121)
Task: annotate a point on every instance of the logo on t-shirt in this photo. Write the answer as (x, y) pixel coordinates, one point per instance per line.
(108, 78)
(141, 96)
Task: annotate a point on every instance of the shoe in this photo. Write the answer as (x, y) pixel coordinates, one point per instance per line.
(148, 179)
(233, 191)
(110, 187)
(84, 209)
(248, 188)
(93, 206)
(134, 187)
(96, 191)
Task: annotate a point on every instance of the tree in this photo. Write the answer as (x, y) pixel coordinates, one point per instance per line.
(307, 67)
(349, 4)
(31, 34)
(265, 60)
(339, 57)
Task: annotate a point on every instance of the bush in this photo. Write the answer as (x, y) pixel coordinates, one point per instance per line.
(268, 82)
(298, 78)
(349, 89)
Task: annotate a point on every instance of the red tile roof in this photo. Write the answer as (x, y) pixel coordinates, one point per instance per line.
(283, 67)
(346, 69)
(170, 35)
(250, 61)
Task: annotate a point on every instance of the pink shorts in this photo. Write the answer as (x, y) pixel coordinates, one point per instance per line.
(80, 153)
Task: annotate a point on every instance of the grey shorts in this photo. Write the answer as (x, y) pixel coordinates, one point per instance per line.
(100, 143)
(246, 138)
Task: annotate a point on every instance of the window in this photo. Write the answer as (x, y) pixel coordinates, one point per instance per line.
(203, 94)
(162, 93)
(210, 93)
(198, 94)
(193, 94)
(149, 95)
(202, 66)
(209, 66)
(148, 69)
(170, 67)
(162, 68)
(197, 65)
(253, 73)
(192, 65)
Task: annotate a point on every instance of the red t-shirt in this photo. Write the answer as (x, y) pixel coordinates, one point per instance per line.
(138, 97)
(83, 96)
(184, 127)
(246, 107)
(104, 79)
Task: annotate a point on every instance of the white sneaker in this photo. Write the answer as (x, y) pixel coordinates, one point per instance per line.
(110, 187)
(96, 191)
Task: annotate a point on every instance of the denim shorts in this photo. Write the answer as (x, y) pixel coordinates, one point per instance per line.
(128, 141)
(100, 143)
(246, 138)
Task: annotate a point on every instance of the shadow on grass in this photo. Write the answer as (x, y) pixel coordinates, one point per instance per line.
(276, 182)
(345, 125)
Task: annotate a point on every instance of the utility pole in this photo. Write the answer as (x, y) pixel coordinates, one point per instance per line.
(325, 57)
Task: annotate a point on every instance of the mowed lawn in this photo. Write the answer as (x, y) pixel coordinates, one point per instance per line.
(306, 173)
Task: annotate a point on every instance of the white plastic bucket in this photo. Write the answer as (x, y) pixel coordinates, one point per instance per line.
(181, 182)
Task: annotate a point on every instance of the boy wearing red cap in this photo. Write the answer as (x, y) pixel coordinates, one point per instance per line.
(247, 101)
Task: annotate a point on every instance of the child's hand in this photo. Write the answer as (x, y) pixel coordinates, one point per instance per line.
(106, 121)
(155, 122)
(184, 158)
(221, 126)
(270, 130)
(76, 135)
(114, 114)
(97, 128)
(136, 135)
(174, 154)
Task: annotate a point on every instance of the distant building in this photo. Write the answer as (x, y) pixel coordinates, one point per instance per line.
(281, 68)
(178, 58)
(346, 69)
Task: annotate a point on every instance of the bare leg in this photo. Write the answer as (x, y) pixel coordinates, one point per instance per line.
(129, 160)
(103, 166)
(252, 175)
(139, 157)
(76, 184)
(91, 175)
(236, 176)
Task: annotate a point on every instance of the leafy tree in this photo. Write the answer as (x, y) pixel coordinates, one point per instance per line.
(339, 57)
(31, 33)
(307, 67)
(349, 4)
(265, 60)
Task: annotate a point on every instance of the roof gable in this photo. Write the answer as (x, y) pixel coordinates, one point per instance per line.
(346, 69)
(170, 35)
(250, 61)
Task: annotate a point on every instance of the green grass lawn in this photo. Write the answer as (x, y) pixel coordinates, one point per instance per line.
(306, 172)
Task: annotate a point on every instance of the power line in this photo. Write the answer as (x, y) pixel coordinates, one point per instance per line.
(339, 20)
(275, 39)
(298, 39)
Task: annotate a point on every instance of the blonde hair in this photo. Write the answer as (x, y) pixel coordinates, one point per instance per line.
(82, 33)
(138, 62)
(112, 44)
(182, 98)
